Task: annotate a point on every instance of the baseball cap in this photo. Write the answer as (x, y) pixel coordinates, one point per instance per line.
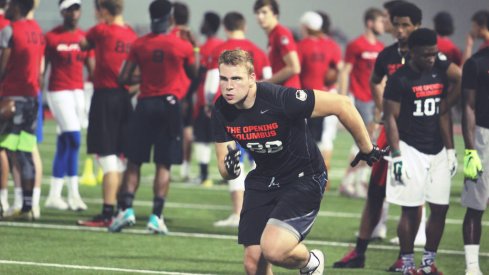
(68, 3)
(312, 20)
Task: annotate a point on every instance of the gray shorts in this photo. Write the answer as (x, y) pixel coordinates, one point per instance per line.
(366, 110)
(476, 194)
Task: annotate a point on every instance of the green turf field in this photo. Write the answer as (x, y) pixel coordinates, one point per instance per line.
(54, 245)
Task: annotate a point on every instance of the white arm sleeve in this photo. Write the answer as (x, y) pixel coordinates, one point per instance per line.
(211, 84)
(267, 72)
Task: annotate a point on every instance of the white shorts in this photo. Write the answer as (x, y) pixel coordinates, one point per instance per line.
(476, 194)
(68, 108)
(429, 179)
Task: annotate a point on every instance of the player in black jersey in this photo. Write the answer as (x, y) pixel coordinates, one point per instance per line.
(418, 129)
(284, 192)
(406, 18)
(475, 127)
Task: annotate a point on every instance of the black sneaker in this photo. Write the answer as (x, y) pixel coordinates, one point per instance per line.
(351, 260)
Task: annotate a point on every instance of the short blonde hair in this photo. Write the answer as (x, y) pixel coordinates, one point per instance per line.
(236, 58)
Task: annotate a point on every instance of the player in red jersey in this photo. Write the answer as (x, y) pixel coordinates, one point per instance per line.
(67, 102)
(360, 57)
(181, 15)
(443, 22)
(156, 122)
(202, 130)
(110, 107)
(234, 25)
(4, 166)
(282, 50)
(20, 70)
(480, 30)
(316, 58)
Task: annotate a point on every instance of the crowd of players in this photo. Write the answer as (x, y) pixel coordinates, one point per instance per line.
(410, 86)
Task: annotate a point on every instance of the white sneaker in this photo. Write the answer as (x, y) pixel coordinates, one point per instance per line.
(12, 211)
(75, 203)
(36, 212)
(156, 225)
(320, 268)
(56, 203)
(231, 221)
(4, 205)
(473, 272)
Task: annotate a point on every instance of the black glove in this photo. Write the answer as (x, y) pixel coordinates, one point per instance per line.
(231, 161)
(371, 157)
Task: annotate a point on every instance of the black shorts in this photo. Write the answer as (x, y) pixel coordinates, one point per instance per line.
(109, 114)
(187, 107)
(293, 206)
(316, 127)
(156, 122)
(202, 127)
(19, 132)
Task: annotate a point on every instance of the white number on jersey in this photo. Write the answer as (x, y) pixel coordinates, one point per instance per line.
(427, 107)
(269, 147)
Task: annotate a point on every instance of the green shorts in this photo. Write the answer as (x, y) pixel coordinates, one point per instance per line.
(20, 134)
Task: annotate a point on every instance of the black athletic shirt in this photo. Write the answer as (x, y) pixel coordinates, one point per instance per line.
(419, 94)
(476, 76)
(275, 132)
(390, 59)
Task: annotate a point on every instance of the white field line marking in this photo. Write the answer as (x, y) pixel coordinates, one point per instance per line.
(99, 268)
(216, 236)
(223, 187)
(335, 214)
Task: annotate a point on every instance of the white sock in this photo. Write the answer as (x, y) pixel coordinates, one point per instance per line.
(36, 196)
(4, 198)
(312, 264)
(18, 198)
(72, 186)
(472, 256)
(184, 169)
(56, 187)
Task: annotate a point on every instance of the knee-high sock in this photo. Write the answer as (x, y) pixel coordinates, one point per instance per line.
(73, 141)
(60, 157)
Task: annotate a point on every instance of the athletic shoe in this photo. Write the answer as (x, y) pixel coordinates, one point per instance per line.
(410, 271)
(56, 203)
(473, 272)
(4, 205)
(36, 212)
(207, 183)
(351, 260)
(75, 203)
(123, 219)
(12, 211)
(21, 216)
(156, 225)
(231, 221)
(320, 268)
(397, 266)
(97, 221)
(429, 270)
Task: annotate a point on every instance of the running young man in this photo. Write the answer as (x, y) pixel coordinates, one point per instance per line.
(419, 131)
(282, 50)
(20, 69)
(475, 127)
(110, 107)
(67, 102)
(157, 120)
(284, 192)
